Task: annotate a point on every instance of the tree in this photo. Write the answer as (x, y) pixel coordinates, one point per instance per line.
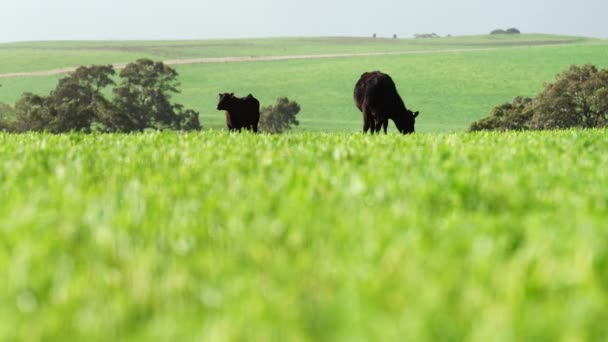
(511, 30)
(5, 113)
(31, 113)
(74, 104)
(142, 100)
(578, 98)
(77, 102)
(6, 117)
(508, 116)
(280, 117)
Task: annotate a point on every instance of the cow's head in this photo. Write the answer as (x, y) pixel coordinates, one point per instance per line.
(406, 123)
(224, 101)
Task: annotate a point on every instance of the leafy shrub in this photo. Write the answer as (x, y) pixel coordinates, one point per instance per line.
(280, 117)
(32, 113)
(508, 116)
(578, 98)
(6, 117)
(511, 30)
(141, 101)
(426, 35)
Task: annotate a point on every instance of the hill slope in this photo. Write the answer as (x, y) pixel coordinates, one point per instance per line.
(449, 80)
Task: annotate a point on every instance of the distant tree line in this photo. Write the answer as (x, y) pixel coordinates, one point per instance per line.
(426, 35)
(511, 30)
(578, 98)
(141, 100)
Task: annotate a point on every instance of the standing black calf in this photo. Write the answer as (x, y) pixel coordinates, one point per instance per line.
(241, 112)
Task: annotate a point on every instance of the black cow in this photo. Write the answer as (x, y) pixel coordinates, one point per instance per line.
(377, 98)
(241, 112)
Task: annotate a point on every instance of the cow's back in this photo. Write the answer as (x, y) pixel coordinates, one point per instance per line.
(376, 89)
(247, 113)
(359, 92)
(252, 103)
(253, 108)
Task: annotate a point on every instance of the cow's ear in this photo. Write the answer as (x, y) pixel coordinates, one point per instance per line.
(416, 114)
(220, 95)
(231, 94)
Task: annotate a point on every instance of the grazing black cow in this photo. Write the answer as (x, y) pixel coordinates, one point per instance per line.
(377, 98)
(241, 112)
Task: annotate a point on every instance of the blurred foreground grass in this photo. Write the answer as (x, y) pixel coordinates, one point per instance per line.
(221, 236)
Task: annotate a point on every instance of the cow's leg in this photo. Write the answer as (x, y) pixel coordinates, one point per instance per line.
(376, 123)
(255, 127)
(372, 123)
(367, 120)
(379, 124)
(385, 125)
(229, 122)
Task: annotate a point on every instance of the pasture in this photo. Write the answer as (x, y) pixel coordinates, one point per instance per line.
(322, 234)
(451, 81)
(304, 236)
(36, 56)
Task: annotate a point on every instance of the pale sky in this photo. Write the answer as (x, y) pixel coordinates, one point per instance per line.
(26, 20)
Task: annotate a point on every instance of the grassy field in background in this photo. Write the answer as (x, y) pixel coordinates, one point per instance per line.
(449, 89)
(309, 236)
(36, 56)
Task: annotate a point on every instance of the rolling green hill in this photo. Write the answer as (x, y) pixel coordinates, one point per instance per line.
(451, 81)
(35, 56)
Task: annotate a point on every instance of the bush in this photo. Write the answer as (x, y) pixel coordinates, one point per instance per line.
(578, 98)
(77, 100)
(426, 35)
(6, 117)
(511, 30)
(508, 116)
(32, 113)
(280, 117)
(141, 101)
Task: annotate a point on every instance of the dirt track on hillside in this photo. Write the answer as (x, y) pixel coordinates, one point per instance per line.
(210, 60)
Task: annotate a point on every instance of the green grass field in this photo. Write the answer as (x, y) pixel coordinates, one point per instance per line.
(37, 56)
(309, 236)
(449, 89)
(323, 234)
